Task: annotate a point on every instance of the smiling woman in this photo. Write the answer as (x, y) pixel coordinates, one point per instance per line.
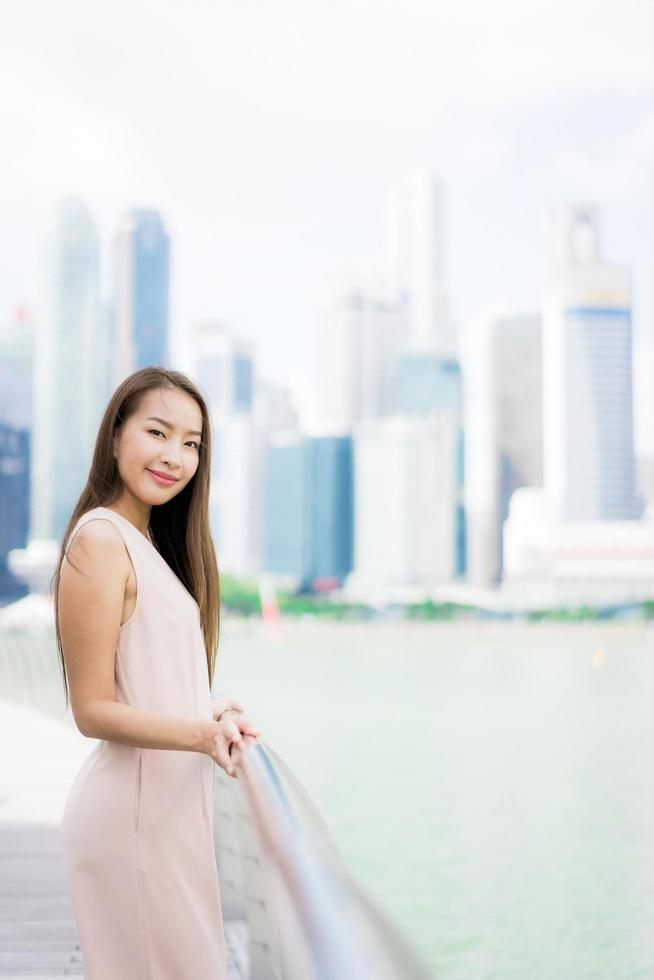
(136, 606)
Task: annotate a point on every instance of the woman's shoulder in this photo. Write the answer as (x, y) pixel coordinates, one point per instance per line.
(95, 532)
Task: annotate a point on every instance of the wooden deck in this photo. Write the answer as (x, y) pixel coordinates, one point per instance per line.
(38, 938)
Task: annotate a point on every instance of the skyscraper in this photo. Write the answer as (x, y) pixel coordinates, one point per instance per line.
(428, 375)
(584, 537)
(16, 397)
(284, 507)
(502, 361)
(327, 513)
(224, 369)
(589, 462)
(308, 509)
(427, 384)
(517, 411)
(142, 278)
(360, 333)
(415, 259)
(69, 358)
(406, 498)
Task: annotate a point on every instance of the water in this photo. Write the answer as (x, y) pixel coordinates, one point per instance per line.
(492, 785)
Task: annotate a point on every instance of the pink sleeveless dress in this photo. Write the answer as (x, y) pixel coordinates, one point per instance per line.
(137, 827)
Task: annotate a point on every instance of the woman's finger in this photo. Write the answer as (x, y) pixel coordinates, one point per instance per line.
(219, 705)
(248, 726)
(224, 759)
(220, 754)
(234, 732)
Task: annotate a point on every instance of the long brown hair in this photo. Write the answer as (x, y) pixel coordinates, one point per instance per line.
(180, 528)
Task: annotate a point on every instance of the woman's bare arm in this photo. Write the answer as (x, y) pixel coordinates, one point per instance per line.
(90, 611)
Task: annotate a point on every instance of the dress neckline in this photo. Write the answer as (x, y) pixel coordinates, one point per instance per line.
(133, 526)
(155, 549)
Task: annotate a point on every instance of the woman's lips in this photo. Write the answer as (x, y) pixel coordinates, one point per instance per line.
(162, 480)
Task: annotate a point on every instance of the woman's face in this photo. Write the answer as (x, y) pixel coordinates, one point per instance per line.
(163, 436)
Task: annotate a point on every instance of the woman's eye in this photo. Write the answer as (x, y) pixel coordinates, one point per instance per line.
(159, 432)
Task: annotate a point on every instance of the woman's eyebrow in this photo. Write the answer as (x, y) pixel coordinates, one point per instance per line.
(169, 425)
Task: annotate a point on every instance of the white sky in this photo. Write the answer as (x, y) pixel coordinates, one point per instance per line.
(266, 133)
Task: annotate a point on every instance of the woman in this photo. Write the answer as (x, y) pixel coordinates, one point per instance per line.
(137, 620)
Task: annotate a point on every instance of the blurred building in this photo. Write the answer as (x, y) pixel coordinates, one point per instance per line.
(16, 368)
(645, 477)
(588, 429)
(406, 503)
(559, 563)
(70, 354)
(502, 410)
(282, 485)
(141, 298)
(308, 510)
(643, 374)
(415, 260)
(224, 370)
(517, 414)
(285, 491)
(359, 334)
(328, 510)
(581, 538)
(428, 383)
(274, 407)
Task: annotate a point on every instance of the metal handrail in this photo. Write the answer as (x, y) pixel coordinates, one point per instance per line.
(301, 912)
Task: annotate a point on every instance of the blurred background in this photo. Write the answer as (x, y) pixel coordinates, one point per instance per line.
(406, 251)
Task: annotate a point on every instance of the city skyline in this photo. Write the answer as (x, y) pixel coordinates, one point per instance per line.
(268, 191)
(413, 457)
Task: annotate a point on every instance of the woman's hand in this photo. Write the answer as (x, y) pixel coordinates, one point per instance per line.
(218, 737)
(225, 703)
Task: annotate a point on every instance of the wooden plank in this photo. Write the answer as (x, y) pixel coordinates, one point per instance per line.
(38, 936)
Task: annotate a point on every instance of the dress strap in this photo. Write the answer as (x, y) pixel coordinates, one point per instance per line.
(103, 513)
(122, 525)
